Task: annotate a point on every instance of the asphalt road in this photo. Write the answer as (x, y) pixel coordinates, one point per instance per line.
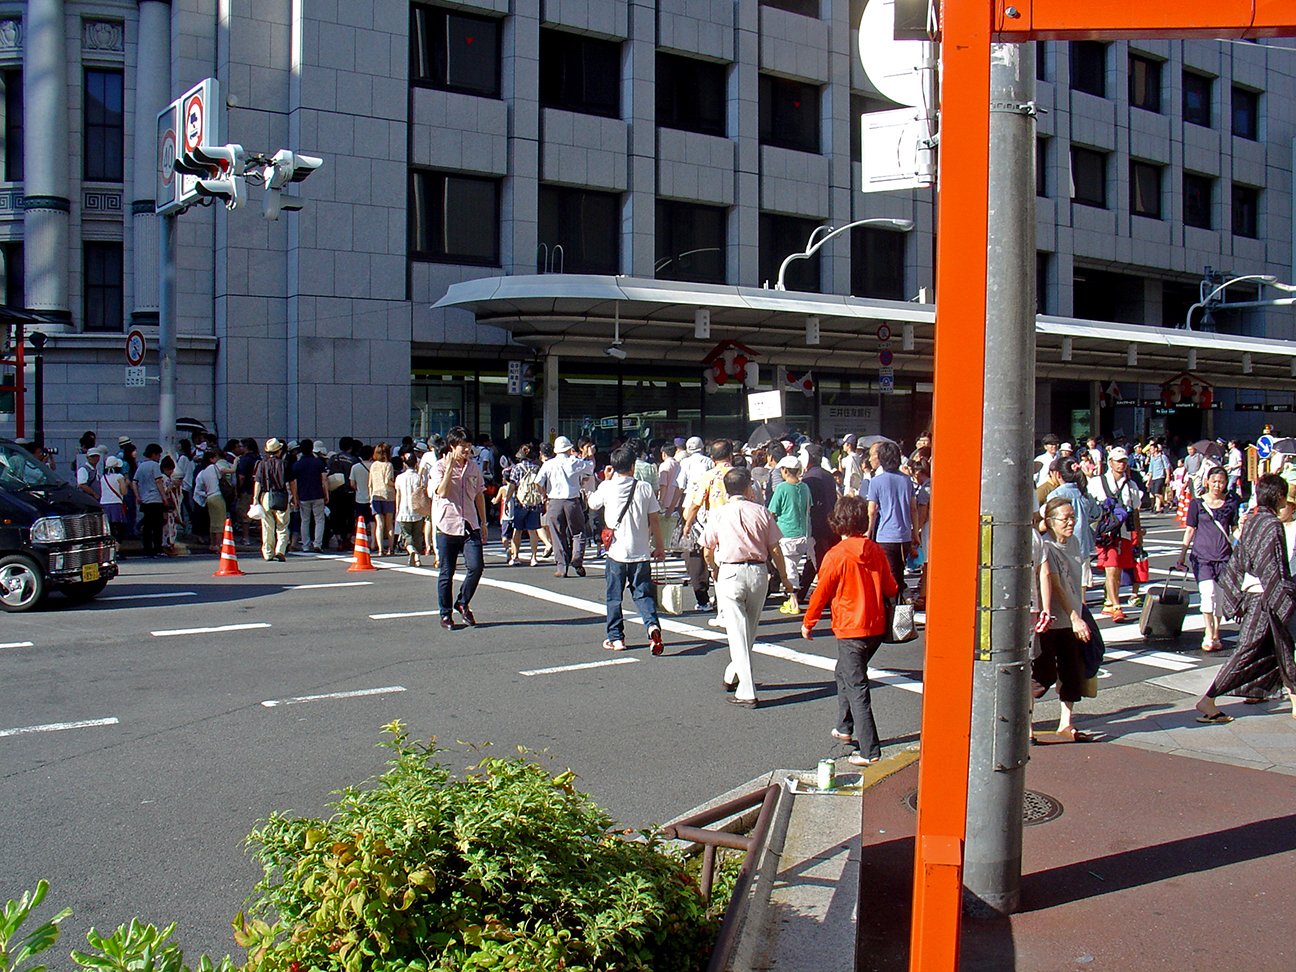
(144, 810)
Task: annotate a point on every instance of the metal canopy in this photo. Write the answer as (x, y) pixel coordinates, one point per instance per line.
(574, 314)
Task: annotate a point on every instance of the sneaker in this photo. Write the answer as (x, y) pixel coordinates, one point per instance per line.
(1115, 613)
(1136, 601)
(612, 644)
(655, 640)
(716, 622)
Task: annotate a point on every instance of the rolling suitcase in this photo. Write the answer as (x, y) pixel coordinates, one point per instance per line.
(1163, 613)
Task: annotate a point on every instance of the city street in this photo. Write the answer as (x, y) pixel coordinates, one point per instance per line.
(143, 736)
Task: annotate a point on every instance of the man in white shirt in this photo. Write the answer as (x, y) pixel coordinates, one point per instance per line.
(631, 511)
(1117, 553)
(852, 467)
(692, 466)
(559, 479)
(1045, 459)
(87, 476)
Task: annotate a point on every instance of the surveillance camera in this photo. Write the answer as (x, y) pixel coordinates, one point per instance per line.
(615, 352)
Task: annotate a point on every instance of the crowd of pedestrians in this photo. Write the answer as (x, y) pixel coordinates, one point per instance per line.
(826, 526)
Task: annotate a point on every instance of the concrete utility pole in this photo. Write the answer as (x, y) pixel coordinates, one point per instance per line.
(1001, 672)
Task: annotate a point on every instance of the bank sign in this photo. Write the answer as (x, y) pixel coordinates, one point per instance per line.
(838, 420)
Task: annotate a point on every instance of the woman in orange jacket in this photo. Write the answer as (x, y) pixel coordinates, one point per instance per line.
(856, 578)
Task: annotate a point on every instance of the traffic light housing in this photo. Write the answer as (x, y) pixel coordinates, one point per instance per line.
(286, 167)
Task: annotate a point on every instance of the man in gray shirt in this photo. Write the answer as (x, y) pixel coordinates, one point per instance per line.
(148, 492)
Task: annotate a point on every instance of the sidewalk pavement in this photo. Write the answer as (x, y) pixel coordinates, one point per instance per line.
(1175, 850)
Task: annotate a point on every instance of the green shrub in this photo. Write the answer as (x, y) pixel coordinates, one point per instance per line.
(507, 868)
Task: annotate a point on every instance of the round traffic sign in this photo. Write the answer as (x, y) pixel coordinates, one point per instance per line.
(884, 332)
(167, 157)
(885, 356)
(135, 347)
(1264, 446)
(194, 110)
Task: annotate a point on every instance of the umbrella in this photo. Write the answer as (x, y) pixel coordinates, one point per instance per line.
(768, 432)
(1286, 446)
(868, 441)
(1209, 447)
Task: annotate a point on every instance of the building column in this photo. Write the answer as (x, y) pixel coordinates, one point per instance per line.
(46, 206)
(152, 94)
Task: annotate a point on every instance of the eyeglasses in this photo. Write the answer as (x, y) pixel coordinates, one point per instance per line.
(1063, 519)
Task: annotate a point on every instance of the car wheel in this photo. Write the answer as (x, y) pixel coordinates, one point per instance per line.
(22, 584)
(84, 591)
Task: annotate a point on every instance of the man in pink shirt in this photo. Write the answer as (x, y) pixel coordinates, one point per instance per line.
(739, 539)
(458, 510)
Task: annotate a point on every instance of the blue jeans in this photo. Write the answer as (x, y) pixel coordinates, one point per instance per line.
(449, 547)
(639, 576)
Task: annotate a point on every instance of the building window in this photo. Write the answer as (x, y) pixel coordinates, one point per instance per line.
(1041, 61)
(1145, 189)
(454, 219)
(806, 8)
(1089, 177)
(1041, 167)
(877, 263)
(789, 114)
(690, 94)
(1246, 211)
(1246, 114)
(579, 73)
(1197, 99)
(1041, 281)
(1144, 83)
(13, 125)
(1197, 200)
(779, 236)
(104, 298)
(14, 282)
(587, 225)
(690, 242)
(1089, 67)
(104, 131)
(454, 51)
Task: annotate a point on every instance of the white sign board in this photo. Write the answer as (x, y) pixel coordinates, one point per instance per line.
(893, 151)
(763, 406)
(838, 420)
(135, 376)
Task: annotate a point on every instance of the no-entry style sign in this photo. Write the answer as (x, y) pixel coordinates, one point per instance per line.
(136, 347)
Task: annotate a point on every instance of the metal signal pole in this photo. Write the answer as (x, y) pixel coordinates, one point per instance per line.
(1001, 670)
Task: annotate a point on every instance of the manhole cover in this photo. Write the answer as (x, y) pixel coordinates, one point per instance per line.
(1037, 808)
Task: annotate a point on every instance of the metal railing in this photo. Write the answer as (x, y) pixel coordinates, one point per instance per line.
(693, 828)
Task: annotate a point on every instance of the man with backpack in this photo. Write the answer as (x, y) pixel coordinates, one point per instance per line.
(1116, 529)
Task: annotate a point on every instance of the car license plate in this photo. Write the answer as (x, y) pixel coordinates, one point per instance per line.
(89, 572)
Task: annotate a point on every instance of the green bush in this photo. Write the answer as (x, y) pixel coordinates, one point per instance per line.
(507, 868)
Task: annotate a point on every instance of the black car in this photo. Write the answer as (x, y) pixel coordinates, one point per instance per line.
(52, 534)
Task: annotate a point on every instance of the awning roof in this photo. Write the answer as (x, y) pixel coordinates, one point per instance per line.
(577, 314)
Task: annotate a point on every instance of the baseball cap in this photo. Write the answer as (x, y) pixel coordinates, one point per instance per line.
(1117, 453)
(562, 444)
(694, 444)
(849, 437)
(789, 462)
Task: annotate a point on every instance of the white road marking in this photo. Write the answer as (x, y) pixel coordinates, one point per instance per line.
(403, 614)
(316, 587)
(58, 726)
(216, 630)
(1153, 659)
(573, 668)
(17, 644)
(147, 597)
(385, 690)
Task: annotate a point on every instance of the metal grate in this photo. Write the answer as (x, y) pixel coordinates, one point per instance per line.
(1037, 808)
(78, 557)
(86, 526)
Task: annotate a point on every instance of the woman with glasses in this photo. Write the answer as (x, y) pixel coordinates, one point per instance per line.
(1209, 533)
(1062, 627)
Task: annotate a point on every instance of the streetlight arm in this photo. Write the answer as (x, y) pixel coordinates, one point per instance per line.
(1264, 278)
(813, 245)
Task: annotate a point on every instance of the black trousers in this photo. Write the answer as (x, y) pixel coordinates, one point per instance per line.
(818, 547)
(854, 702)
(699, 575)
(895, 555)
(151, 528)
(567, 527)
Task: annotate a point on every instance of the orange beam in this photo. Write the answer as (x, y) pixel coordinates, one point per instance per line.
(959, 376)
(1117, 19)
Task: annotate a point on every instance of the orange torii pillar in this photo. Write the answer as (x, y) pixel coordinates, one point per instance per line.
(967, 29)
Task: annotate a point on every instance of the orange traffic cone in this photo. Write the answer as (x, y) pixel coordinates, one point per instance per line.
(362, 561)
(229, 560)
(1184, 501)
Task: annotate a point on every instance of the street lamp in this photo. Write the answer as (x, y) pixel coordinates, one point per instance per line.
(1265, 278)
(813, 245)
(38, 339)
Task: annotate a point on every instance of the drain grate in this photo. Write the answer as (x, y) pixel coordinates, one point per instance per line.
(1037, 808)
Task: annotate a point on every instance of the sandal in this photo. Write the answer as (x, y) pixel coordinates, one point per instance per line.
(845, 737)
(1215, 718)
(1068, 735)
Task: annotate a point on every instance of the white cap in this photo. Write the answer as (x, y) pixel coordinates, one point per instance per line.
(789, 462)
(1066, 447)
(694, 444)
(1117, 453)
(562, 444)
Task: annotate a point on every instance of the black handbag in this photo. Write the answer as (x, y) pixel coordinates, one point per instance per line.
(277, 500)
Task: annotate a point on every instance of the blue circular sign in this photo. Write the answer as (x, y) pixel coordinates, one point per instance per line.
(886, 357)
(1264, 446)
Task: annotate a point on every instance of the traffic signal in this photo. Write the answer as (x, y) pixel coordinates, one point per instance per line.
(231, 189)
(284, 168)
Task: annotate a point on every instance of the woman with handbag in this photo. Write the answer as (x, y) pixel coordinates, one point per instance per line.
(1062, 627)
(270, 492)
(855, 577)
(1209, 533)
(1256, 586)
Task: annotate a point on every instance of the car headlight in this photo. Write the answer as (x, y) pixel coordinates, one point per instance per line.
(48, 530)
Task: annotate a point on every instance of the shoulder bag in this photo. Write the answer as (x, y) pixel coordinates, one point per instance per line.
(608, 534)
